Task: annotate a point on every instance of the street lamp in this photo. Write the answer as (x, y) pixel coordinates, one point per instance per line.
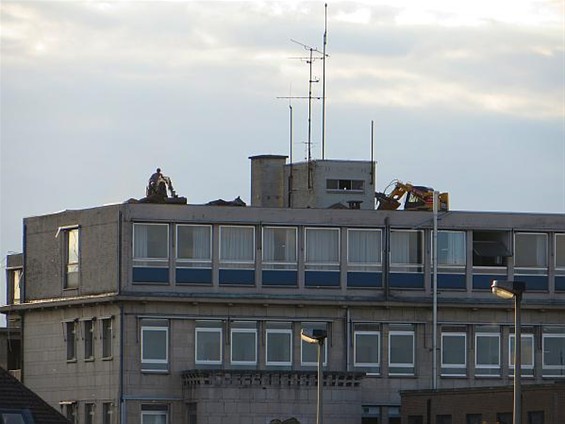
(509, 290)
(316, 336)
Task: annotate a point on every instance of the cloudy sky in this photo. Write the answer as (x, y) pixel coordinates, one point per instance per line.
(467, 97)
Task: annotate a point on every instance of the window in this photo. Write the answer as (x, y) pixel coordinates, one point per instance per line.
(106, 336)
(453, 354)
(406, 250)
(309, 351)
(88, 327)
(416, 419)
(279, 248)
(151, 244)
(474, 419)
(504, 418)
(451, 250)
(107, 413)
(490, 248)
(279, 344)
(237, 246)
(14, 281)
(364, 251)
(401, 350)
(530, 253)
(560, 252)
(244, 343)
(155, 345)
(70, 411)
(349, 185)
(208, 343)
(16, 416)
(527, 352)
(71, 340)
(89, 413)
(487, 352)
(553, 351)
(443, 419)
(194, 245)
(72, 258)
(154, 414)
(536, 417)
(322, 248)
(367, 347)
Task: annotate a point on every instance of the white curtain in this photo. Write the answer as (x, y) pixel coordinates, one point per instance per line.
(322, 245)
(405, 247)
(451, 248)
(279, 245)
(194, 242)
(237, 244)
(364, 246)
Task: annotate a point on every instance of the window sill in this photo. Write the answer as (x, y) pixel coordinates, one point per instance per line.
(159, 372)
(89, 359)
(107, 358)
(71, 361)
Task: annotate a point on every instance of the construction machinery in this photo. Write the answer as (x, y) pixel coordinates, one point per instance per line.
(417, 198)
(156, 190)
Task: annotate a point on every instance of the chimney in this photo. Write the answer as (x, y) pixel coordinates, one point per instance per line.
(267, 181)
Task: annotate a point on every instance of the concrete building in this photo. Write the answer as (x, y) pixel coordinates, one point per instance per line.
(167, 313)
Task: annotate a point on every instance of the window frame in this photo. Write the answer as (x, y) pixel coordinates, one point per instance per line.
(497, 366)
(463, 365)
(89, 412)
(408, 266)
(71, 254)
(71, 340)
(401, 365)
(524, 366)
(286, 331)
(545, 366)
(194, 262)
(448, 266)
(329, 264)
(151, 260)
(303, 344)
(379, 346)
(345, 185)
(243, 330)
(235, 263)
(369, 264)
(559, 268)
(274, 264)
(88, 336)
(107, 341)
(165, 361)
(529, 270)
(199, 330)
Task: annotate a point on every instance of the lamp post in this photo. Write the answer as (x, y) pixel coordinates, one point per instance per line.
(317, 337)
(514, 290)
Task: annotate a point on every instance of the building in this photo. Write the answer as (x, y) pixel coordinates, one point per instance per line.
(542, 403)
(171, 313)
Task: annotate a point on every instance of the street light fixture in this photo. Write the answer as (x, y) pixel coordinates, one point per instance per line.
(509, 290)
(316, 336)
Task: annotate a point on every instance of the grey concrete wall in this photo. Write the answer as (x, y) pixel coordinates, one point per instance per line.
(45, 253)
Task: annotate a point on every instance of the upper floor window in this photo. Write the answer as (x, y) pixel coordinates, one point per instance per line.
(401, 354)
(150, 244)
(453, 354)
(367, 347)
(194, 245)
(406, 250)
(106, 337)
(527, 353)
(349, 185)
(72, 257)
(487, 351)
(451, 249)
(309, 351)
(244, 343)
(89, 408)
(364, 249)
(71, 340)
(553, 347)
(88, 336)
(560, 252)
(530, 253)
(14, 282)
(155, 345)
(490, 248)
(279, 248)
(278, 344)
(237, 246)
(322, 248)
(208, 343)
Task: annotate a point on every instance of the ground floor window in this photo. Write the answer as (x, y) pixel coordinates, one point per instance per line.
(154, 414)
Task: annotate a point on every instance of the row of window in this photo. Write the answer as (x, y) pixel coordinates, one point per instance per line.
(90, 412)
(533, 417)
(243, 347)
(88, 331)
(279, 246)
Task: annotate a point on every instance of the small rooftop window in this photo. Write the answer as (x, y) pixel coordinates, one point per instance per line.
(349, 185)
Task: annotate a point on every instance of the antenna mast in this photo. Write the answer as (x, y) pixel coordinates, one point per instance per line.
(324, 82)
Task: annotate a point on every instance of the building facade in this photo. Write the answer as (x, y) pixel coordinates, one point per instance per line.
(159, 313)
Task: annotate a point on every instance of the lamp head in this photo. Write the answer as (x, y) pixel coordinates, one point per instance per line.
(508, 289)
(315, 336)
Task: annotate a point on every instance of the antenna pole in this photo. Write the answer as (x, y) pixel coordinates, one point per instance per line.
(372, 153)
(290, 182)
(324, 82)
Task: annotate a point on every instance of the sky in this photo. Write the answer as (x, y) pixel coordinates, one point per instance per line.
(467, 97)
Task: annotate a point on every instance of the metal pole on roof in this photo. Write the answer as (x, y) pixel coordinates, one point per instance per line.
(434, 260)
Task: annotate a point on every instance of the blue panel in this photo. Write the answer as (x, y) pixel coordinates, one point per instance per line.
(364, 279)
(451, 281)
(194, 276)
(237, 276)
(406, 280)
(150, 275)
(534, 282)
(559, 283)
(484, 281)
(322, 278)
(280, 278)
